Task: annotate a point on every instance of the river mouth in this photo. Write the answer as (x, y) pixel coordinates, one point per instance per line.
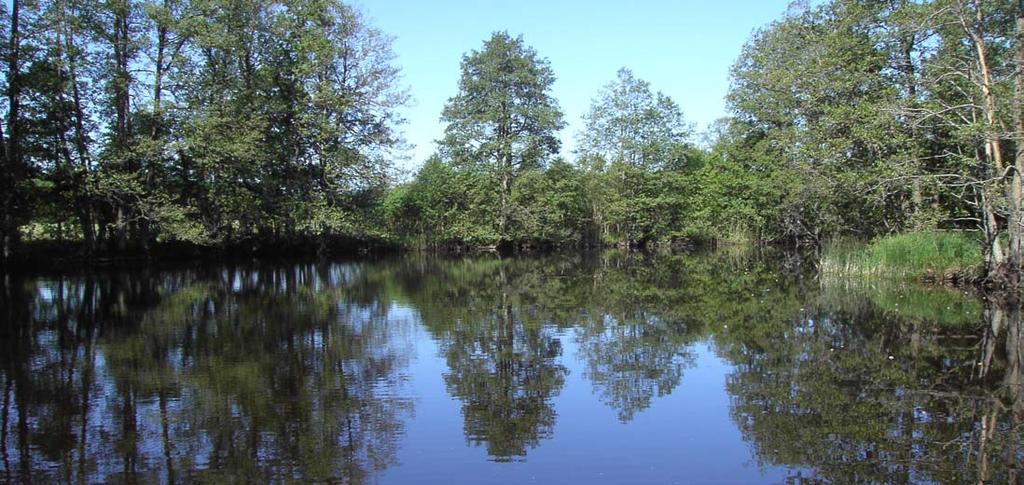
(586, 368)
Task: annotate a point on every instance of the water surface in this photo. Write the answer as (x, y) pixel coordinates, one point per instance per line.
(600, 368)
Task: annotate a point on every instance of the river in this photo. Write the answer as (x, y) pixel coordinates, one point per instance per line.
(714, 367)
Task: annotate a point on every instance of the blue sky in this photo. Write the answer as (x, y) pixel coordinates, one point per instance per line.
(683, 48)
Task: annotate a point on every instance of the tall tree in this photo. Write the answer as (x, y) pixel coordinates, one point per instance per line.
(1016, 196)
(636, 140)
(967, 91)
(629, 123)
(813, 89)
(120, 39)
(503, 119)
(292, 117)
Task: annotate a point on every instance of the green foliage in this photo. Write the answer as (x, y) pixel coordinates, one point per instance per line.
(445, 204)
(450, 205)
(503, 117)
(644, 206)
(913, 254)
(503, 120)
(278, 121)
(627, 123)
(550, 206)
(267, 120)
(866, 119)
(809, 97)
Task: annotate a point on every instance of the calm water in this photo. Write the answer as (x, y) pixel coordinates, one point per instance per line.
(713, 368)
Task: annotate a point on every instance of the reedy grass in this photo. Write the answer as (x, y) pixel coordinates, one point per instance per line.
(937, 254)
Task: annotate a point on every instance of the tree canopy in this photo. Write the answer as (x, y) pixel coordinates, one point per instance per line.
(627, 123)
(503, 121)
(132, 123)
(205, 121)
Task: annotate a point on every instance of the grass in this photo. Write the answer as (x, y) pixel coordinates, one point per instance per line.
(939, 254)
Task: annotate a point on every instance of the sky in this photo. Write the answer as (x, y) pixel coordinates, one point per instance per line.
(684, 48)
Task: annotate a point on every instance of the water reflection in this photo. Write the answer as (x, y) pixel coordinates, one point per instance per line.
(303, 371)
(861, 390)
(246, 373)
(503, 368)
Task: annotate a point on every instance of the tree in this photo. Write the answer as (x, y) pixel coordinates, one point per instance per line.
(293, 117)
(206, 121)
(884, 116)
(970, 79)
(14, 170)
(503, 119)
(634, 142)
(628, 123)
(551, 205)
(812, 92)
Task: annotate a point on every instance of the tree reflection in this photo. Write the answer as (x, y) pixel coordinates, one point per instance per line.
(506, 375)
(631, 361)
(636, 340)
(865, 393)
(501, 350)
(278, 373)
(249, 373)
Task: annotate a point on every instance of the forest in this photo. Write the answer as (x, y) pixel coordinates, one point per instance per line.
(130, 125)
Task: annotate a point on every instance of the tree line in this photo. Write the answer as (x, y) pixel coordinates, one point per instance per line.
(132, 122)
(217, 122)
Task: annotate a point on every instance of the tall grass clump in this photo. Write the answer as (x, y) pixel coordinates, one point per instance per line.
(937, 254)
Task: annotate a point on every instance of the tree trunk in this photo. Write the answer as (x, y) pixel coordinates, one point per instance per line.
(122, 96)
(85, 207)
(505, 164)
(156, 131)
(1014, 221)
(3, 144)
(14, 85)
(993, 247)
(907, 44)
(121, 73)
(506, 196)
(86, 211)
(998, 264)
(67, 73)
(5, 249)
(12, 170)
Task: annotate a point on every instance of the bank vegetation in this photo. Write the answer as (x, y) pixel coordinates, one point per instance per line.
(134, 125)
